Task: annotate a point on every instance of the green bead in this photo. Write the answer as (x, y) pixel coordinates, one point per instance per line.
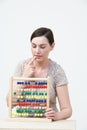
(33, 93)
(14, 93)
(21, 110)
(42, 93)
(39, 111)
(45, 93)
(17, 110)
(29, 111)
(36, 93)
(44, 111)
(39, 93)
(28, 93)
(35, 111)
(23, 93)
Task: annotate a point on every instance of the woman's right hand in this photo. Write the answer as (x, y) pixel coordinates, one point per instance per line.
(29, 68)
(11, 98)
(16, 94)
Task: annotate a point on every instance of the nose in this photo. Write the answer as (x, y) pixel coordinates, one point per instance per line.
(37, 50)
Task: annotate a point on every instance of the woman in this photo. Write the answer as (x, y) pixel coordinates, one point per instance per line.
(42, 43)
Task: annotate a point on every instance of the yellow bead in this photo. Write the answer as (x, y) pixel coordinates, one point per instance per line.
(27, 114)
(35, 96)
(41, 114)
(32, 97)
(35, 114)
(21, 96)
(38, 114)
(18, 96)
(19, 114)
(26, 96)
(29, 97)
(13, 115)
(22, 114)
(45, 97)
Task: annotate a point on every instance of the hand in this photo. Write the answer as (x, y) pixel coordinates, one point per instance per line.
(14, 96)
(51, 114)
(29, 68)
(16, 93)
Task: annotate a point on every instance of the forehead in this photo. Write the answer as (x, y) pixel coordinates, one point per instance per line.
(40, 40)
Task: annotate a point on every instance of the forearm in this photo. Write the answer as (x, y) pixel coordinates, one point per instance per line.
(64, 114)
(61, 115)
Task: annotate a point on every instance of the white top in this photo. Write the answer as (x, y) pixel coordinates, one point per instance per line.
(57, 78)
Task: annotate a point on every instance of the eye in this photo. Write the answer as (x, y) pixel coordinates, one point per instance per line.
(42, 46)
(33, 45)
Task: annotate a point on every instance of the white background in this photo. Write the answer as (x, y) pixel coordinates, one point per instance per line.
(68, 20)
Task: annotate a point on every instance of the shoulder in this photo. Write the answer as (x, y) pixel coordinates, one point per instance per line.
(58, 73)
(57, 69)
(20, 67)
(55, 65)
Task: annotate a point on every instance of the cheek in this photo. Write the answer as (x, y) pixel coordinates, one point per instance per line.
(32, 50)
(46, 52)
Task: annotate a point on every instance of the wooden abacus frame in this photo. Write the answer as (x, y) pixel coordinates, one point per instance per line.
(16, 79)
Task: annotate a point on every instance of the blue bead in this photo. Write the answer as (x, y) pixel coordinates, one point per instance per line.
(22, 82)
(44, 101)
(28, 82)
(25, 83)
(36, 83)
(18, 100)
(18, 82)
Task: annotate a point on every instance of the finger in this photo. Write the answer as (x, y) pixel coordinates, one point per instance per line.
(52, 118)
(49, 109)
(50, 114)
(32, 60)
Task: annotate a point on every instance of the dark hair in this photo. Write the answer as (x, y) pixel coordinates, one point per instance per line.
(43, 32)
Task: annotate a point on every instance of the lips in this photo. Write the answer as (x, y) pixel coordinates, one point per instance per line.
(37, 56)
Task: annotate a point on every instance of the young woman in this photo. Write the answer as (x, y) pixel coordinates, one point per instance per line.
(40, 65)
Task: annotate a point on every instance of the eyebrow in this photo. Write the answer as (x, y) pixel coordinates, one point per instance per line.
(40, 44)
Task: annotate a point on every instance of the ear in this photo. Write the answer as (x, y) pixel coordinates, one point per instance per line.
(52, 46)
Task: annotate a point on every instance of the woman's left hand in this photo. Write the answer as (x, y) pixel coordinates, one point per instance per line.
(51, 114)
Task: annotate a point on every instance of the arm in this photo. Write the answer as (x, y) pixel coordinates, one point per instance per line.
(27, 71)
(7, 99)
(64, 103)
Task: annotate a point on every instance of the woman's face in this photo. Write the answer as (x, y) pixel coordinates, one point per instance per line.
(41, 48)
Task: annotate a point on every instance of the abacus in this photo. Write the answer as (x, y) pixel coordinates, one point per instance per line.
(29, 98)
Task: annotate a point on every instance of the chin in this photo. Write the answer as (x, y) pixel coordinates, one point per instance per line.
(39, 60)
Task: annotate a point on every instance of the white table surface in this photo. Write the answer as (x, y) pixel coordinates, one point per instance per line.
(35, 125)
